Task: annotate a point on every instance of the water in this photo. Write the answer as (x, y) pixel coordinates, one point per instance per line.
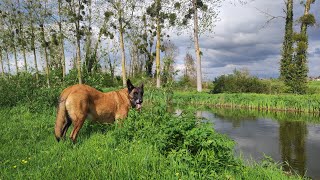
(277, 135)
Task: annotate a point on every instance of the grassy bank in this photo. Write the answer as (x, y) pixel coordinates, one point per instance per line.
(153, 144)
(283, 102)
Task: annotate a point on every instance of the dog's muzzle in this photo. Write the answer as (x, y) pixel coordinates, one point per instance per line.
(138, 104)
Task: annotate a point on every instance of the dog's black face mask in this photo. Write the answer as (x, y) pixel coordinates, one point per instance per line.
(136, 95)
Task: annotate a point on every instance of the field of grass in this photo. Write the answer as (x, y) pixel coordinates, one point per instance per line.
(153, 144)
(281, 102)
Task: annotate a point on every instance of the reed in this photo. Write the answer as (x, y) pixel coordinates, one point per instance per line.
(283, 102)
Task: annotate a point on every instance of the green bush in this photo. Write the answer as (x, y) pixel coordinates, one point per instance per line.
(196, 147)
(25, 89)
(242, 82)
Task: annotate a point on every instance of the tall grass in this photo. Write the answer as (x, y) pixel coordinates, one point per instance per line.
(284, 102)
(154, 144)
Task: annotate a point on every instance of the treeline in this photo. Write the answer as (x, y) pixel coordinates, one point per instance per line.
(93, 35)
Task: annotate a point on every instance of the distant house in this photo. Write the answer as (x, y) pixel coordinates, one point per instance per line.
(314, 78)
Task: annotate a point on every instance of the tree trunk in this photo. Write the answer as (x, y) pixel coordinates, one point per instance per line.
(62, 56)
(300, 84)
(1, 61)
(123, 59)
(111, 67)
(77, 24)
(16, 59)
(45, 56)
(158, 53)
(148, 53)
(95, 52)
(33, 47)
(304, 26)
(35, 62)
(196, 46)
(8, 63)
(23, 42)
(79, 61)
(25, 58)
(89, 58)
(287, 51)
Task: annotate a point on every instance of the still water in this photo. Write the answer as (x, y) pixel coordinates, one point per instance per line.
(284, 137)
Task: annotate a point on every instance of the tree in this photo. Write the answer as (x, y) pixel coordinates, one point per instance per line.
(76, 13)
(31, 32)
(300, 69)
(206, 12)
(170, 53)
(287, 47)
(190, 70)
(146, 45)
(1, 44)
(123, 14)
(61, 40)
(159, 14)
(92, 63)
(21, 34)
(43, 15)
(110, 55)
(1, 62)
(10, 15)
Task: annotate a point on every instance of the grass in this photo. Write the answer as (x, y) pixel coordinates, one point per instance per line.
(153, 144)
(283, 102)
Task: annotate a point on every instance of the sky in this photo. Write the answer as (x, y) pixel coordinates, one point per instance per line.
(243, 40)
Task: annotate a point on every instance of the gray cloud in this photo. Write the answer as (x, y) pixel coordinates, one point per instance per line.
(240, 41)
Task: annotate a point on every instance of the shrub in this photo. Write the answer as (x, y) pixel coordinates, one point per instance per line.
(242, 82)
(196, 147)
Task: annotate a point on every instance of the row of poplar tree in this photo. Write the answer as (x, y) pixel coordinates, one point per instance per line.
(96, 30)
(137, 29)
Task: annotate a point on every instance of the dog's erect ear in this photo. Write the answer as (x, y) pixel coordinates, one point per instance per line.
(129, 85)
(141, 86)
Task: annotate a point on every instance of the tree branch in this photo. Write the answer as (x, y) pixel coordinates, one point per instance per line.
(270, 17)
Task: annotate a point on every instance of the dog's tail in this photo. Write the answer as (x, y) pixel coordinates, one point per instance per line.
(61, 119)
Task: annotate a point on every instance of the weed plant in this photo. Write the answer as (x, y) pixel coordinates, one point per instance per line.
(153, 144)
(265, 102)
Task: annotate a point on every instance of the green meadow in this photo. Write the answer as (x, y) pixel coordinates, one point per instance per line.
(153, 144)
(266, 102)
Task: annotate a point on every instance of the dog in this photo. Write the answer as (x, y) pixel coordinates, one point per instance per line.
(79, 102)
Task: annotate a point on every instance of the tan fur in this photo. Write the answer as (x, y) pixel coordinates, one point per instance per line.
(79, 102)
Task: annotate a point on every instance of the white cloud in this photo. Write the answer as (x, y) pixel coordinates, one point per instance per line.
(240, 41)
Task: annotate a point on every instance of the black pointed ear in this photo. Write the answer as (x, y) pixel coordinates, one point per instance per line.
(129, 85)
(141, 86)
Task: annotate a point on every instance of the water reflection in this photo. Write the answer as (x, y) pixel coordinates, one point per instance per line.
(292, 136)
(281, 136)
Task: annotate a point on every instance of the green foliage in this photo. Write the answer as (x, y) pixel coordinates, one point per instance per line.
(283, 102)
(308, 19)
(197, 148)
(239, 82)
(24, 89)
(153, 144)
(293, 67)
(299, 37)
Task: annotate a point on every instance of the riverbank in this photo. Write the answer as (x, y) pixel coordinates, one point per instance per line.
(281, 102)
(154, 144)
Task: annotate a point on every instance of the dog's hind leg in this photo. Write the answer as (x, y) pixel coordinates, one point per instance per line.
(77, 107)
(66, 126)
(76, 127)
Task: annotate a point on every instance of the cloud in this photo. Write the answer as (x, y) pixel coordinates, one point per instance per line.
(242, 39)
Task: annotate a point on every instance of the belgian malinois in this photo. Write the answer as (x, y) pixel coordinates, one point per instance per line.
(79, 102)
